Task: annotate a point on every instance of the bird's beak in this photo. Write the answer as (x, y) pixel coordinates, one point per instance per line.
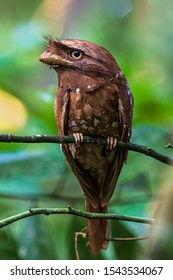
(54, 59)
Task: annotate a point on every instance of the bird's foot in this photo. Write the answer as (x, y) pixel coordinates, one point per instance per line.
(78, 138)
(111, 143)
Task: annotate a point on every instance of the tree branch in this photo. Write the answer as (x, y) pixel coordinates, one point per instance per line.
(71, 211)
(9, 138)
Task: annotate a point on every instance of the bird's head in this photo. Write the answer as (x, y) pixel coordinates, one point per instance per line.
(82, 56)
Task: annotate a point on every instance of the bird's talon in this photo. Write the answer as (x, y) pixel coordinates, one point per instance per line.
(111, 142)
(78, 138)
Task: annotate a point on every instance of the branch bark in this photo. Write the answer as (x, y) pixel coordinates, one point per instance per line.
(71, 211)
(9, 138)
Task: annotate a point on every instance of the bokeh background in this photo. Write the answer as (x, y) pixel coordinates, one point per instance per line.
(139, 35)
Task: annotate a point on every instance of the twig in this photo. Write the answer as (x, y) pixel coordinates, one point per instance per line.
(57, 196)
(84, 235)
(9, 138)
(169, 146)
(75, 212)
(77, 234)
(127, 238)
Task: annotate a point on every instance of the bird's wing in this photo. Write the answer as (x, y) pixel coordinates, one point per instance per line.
(125, 110)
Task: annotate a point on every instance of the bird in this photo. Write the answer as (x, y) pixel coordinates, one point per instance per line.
(93, 98)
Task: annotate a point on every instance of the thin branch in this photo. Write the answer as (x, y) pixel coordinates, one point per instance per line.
(9, 138)
(77, 234)
(57, 196)
(40, 196)
(169, 146)
(75, 212)
(127, 238)
(84, 235)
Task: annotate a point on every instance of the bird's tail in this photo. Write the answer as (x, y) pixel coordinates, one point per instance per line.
(97, 229)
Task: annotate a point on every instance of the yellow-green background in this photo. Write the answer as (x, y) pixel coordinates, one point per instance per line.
(139, 35)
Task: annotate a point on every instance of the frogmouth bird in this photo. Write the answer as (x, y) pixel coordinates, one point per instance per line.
(93, 98)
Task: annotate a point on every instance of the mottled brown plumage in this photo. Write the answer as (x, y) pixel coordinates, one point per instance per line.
(93, 98)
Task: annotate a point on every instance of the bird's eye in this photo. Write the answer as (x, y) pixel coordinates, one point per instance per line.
(76, 54)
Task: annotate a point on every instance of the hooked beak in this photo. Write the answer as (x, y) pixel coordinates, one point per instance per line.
(54, 60)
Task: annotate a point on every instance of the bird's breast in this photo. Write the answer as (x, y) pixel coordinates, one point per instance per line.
(94, 113)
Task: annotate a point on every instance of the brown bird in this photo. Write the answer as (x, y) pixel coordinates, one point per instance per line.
(93, 98)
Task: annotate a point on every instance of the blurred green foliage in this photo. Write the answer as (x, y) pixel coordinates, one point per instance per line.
(139, 35)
